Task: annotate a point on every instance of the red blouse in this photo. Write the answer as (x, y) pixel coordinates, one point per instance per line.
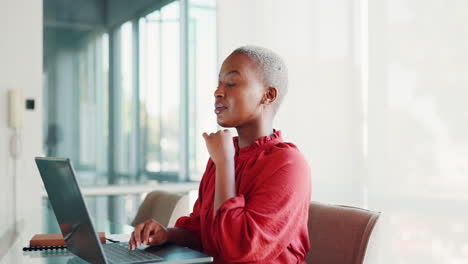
(267, 221)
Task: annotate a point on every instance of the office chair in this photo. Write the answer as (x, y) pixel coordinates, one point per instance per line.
(339, 234)
(163, 207)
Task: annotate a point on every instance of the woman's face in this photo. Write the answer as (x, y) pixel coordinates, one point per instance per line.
(238, 98)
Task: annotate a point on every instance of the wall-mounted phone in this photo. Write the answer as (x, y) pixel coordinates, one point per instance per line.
(15, 109)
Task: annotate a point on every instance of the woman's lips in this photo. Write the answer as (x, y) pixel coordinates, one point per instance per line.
(219, 108)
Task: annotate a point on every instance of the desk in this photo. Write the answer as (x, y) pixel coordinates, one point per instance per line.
(16, 254)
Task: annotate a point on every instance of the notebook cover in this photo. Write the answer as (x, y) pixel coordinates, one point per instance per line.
(47, 240)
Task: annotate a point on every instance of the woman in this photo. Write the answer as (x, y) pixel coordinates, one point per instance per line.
(254, 195)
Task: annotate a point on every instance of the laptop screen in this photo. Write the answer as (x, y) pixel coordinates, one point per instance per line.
(70, 209)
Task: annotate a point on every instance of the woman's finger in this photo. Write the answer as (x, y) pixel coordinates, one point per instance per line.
(130, 241)
(134, 243)
(138, 229)
(150, 228)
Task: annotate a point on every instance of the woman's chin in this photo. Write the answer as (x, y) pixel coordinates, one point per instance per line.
(224, 123)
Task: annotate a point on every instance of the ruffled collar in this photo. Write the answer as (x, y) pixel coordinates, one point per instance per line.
(259, 143)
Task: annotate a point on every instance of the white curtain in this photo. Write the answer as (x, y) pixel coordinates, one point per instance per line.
(377, 104)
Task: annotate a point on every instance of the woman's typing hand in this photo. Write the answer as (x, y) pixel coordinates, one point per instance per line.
(149, 232)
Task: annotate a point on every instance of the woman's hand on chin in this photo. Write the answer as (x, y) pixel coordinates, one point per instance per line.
(220, 146)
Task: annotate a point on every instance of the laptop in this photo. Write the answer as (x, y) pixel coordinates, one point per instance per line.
(79, 233)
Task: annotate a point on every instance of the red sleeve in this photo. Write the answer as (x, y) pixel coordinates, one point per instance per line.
(192, 223)
(260, 226)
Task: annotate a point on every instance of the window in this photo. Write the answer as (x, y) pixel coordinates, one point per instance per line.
(76, 98)
(161, 100)
(128, 104)
(93, 105)
(160, 85)
(203, 80)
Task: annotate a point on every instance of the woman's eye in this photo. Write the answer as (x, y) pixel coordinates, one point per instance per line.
(231, 84)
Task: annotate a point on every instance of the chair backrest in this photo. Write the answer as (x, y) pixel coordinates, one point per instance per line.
(339, 234)
(163, 207)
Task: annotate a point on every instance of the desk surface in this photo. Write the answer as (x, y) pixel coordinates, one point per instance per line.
(16, 254)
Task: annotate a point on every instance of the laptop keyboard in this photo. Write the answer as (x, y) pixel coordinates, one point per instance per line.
(119, 253)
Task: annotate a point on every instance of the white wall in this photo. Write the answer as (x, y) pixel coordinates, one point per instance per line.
(377, 103)
(418, 129)
(322, 112)
(20, 68)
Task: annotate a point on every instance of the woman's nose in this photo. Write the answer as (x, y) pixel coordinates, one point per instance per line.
(219, 92)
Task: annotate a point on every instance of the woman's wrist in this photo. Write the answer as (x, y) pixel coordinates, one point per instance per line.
(172, 235)
(181, 236)
(226, 163)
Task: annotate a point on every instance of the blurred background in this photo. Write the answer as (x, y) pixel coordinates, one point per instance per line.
(377, 104)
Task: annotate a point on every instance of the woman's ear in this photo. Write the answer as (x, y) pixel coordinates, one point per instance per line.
(271, 93)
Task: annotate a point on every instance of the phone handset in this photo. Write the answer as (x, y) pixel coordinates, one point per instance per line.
(15, 120)
(15, 109)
